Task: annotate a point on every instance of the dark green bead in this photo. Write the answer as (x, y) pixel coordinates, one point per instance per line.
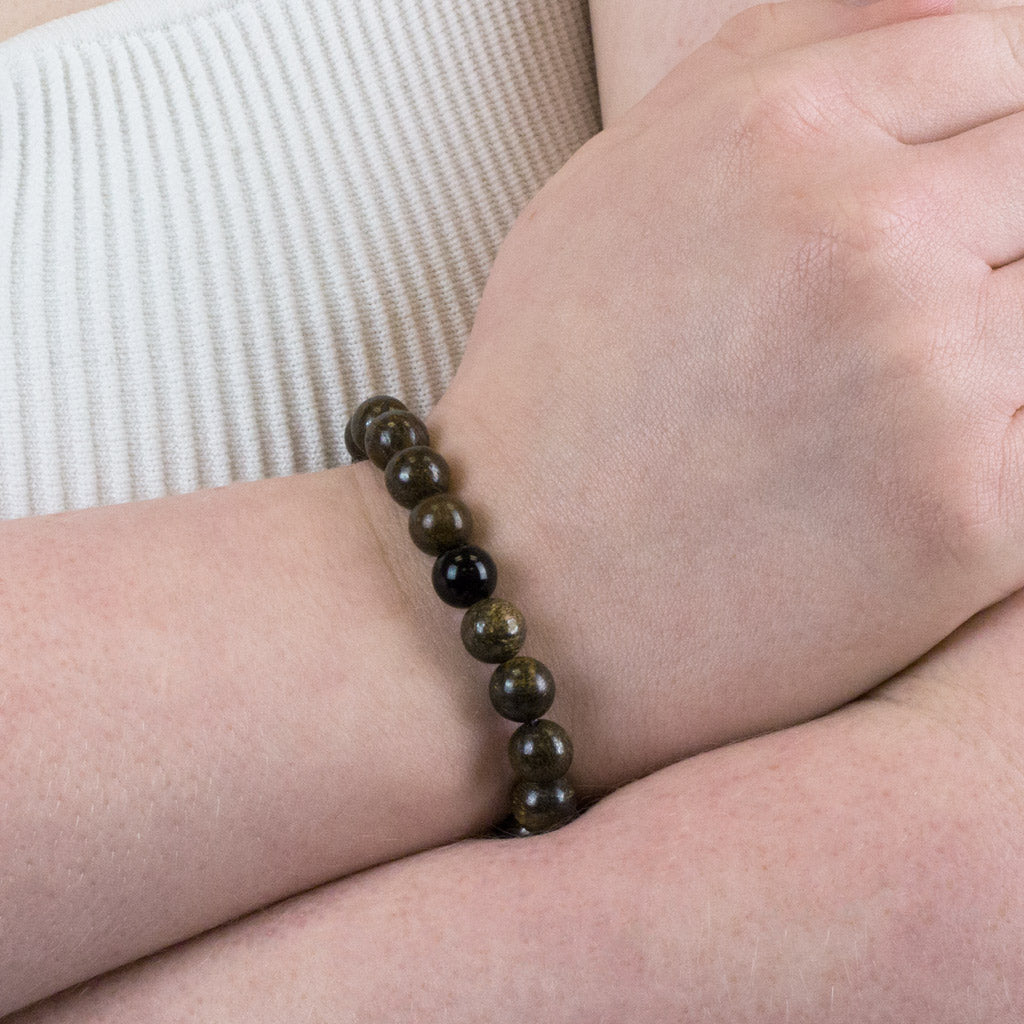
(540, 751)
(366, 411)
(542, 806)
(356, 454)
(493, 630)
(522, 689)
(393, 432)
(439, 523)
(415, 474)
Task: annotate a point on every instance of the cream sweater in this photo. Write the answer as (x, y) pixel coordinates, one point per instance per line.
(223, 222)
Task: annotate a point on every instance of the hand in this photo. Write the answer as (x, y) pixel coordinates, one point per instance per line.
(741, 403)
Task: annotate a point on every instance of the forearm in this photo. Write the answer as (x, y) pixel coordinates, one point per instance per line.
(20, 15)
(857, 868)
(208, 703)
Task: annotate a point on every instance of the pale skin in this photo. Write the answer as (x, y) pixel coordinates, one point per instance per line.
(863, 867)
(636, 44)
(158, 782)
(18, 16)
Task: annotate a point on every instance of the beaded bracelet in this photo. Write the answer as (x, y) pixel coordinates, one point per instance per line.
(493, 630)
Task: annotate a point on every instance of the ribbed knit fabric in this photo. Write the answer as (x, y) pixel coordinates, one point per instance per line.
(223, 223)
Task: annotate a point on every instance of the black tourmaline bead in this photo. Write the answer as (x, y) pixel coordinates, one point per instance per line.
(493, 630)
(540, 751)
(415, 474)
(522, 689)
(541, 806)
(356, 454)
(355, 432)
(438, 523)
(465, 575)
(393, 432)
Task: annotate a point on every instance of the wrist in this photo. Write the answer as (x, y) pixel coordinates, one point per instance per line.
(460, 764)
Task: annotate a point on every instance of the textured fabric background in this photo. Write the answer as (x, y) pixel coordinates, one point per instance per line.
(223, 223)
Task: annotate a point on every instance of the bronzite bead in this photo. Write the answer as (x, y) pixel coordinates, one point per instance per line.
(493, 630)
(541, 806)
(355, 432)
(356, 454)
(509, 828)
(522, 689)
(415, 474)
(393, 432)
(464, 575)
(439, 523)
(540, 751)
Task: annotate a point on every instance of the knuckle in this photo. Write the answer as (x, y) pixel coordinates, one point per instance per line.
(780, 110)
(887, 231)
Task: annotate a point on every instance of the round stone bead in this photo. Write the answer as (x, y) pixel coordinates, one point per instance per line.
(356, 454)
(540, 751)
(508, 828)
(415, 474)
(464, 575)
(541, 806)
(493, 630)
(522, 689)
(393, 432)
(366, 411)
(439, 523)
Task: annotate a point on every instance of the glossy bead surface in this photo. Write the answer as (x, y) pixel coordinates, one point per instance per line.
(493, 630)
(438, 523)
(393, 432)
(508, 828)
(522, 689)
(366, 411)
(415, 474)
(464, 575)
(356, 454)
(540, 751)
(540, 806)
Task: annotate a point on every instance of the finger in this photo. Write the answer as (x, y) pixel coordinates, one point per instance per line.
(923, 80)
(977, 179)
(774, 27)
(794, 26)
